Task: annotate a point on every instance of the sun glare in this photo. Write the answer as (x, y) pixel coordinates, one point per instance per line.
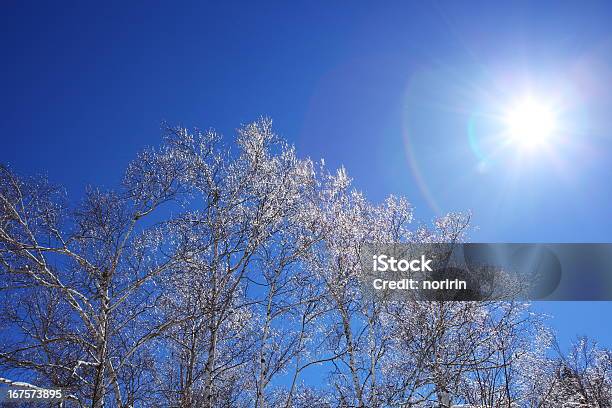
(530, 123)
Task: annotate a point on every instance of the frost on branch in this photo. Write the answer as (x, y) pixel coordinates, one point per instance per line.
(225, 274)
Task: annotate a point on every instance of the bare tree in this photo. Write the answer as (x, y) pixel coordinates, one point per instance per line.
(228, 275)
(580, 378)
(240, 278)
(79, 281)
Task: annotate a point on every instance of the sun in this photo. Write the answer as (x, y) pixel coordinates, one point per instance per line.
(530, 123)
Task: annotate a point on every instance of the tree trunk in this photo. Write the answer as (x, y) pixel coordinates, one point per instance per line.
(99, 383)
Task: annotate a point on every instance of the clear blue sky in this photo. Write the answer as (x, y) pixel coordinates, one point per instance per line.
(404, 95)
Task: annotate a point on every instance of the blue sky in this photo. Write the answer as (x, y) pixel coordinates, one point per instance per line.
(407, 96)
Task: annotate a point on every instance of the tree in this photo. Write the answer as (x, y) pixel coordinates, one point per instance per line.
(229, 274)
(580, 378)
(78, 282)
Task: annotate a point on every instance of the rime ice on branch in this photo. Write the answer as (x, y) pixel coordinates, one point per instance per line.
(226, 275)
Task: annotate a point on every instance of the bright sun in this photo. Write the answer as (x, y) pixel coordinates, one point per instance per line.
(530, 123)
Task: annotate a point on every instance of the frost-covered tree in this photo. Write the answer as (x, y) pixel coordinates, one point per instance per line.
(580, 378)
(78, 282)
(242, 243)
(227, 274)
